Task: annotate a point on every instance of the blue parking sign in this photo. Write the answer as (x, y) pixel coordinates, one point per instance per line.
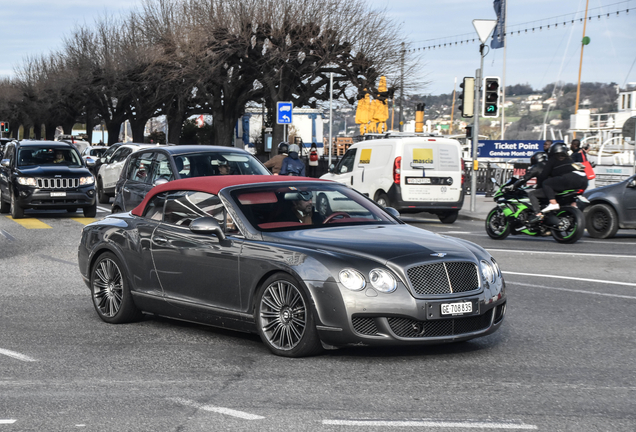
(283, 113)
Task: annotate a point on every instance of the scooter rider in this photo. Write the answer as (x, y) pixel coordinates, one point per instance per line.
(559, 174)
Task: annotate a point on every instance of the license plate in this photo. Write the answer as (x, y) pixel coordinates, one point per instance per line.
(418, 180)
(58, 194)
(457, 308)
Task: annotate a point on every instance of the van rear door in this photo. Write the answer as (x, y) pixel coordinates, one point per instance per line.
(431, 170)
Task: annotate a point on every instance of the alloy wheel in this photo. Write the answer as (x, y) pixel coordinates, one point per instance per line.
(283, 315)
(108, 287)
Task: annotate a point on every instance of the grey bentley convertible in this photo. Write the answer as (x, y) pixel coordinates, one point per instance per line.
(260, 254)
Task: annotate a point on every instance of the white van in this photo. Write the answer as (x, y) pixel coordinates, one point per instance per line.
(410, 173)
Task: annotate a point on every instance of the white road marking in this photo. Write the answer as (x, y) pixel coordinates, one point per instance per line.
(16, 355)
(562, 253)
(571, 278)
(429, 423)
(572, 290)
(104, 209)
(220, 410)
(454, 232)
(7, 421)
(7, 235)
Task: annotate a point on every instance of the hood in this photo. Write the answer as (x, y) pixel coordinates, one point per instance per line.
(52, 171)
(293, 155)
(399, 244)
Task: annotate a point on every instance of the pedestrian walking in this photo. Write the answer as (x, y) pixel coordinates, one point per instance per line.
(313, 161)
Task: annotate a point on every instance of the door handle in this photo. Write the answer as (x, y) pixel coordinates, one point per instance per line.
(159, 240)
(126, 189)
(351, 180)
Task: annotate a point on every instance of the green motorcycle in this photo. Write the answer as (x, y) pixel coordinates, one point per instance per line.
(513, 212)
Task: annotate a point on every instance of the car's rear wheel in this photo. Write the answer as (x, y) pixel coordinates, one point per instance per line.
(601, 221)
(382, 200)
(91, 211)
(322, 204)
(5, 206)
(111, 291)
(101, 195)
(17, 212)
(284, 318)
(448, 217)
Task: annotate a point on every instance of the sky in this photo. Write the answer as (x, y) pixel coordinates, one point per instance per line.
(539, 58)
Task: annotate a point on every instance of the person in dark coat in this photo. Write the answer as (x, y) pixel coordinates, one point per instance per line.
(560, 174)
(276, 162)
(577, 152)
(292, 165)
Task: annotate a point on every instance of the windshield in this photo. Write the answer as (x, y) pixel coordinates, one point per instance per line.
(302, 206)
(218, 163)
(45, 155)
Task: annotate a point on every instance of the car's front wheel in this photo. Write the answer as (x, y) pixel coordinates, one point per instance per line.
(17, 212)
(601, 221)
(91, 211)
(101, 195)
(111, 291)
(284, 318)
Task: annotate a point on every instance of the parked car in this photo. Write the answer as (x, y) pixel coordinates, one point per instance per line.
(250, 253)
(92, 154)
(152, 166)
(611, 207)
(45, 175)
(409, 172)
(110, 169)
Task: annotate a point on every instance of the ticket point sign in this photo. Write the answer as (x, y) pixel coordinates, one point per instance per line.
(509, 149)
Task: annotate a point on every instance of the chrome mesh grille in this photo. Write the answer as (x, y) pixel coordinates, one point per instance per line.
(444, 278)
(410, 328)
(364, 325)
(57, 183)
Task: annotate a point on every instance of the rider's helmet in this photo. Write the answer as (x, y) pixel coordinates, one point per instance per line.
(283, 148)
(538, 157)
(558, 148)
(294, 148)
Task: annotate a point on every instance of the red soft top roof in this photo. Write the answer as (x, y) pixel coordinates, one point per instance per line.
(212, 185)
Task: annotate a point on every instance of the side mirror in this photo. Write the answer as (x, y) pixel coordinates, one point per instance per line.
(6, 163)
(207, 225)
(393, 212)
(90, 163)
(331, 168)
(631, 184)
(160, 181)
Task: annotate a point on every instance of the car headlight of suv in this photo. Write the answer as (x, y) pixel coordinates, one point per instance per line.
(488, 271)
(87, 180)
(382, 280)
(352, 279)
(27, 181)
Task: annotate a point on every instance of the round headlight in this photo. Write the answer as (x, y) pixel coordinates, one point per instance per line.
(352, 279)
(382, 280)
(487, 271)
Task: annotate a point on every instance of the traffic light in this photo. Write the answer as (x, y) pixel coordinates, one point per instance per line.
(490, 99)
(467, 97)
(4, 126)
(469, 132)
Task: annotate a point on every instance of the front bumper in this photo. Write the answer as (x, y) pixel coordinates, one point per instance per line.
(34, 198)
(370, 318)
(395, 198)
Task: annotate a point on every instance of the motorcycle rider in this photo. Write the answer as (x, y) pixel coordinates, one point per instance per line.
(537, 164)
(558, 175)
(292, 165)
(276, 162)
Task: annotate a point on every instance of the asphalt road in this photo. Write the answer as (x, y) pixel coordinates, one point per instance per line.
(563, 360)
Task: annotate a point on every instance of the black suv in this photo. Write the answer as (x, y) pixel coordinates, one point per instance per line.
(45, 175)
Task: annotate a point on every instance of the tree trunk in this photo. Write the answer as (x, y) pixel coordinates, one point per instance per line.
(113, 127)
(67, 127)
(137, 127)
(223, 132)
(175, 125)
(49, 131)
(37, 130)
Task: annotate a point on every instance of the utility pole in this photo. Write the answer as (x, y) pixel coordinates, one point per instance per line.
(330, 115)
(402, 89)
(578, 86)
(450, 129)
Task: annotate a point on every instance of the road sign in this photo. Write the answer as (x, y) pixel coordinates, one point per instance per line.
(284, 113)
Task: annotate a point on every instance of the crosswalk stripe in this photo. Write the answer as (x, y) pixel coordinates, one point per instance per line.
(84, 220)
(31, 223)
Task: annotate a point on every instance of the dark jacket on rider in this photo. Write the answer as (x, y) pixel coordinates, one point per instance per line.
(533, 171)
(559, 175)
(292, 165)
